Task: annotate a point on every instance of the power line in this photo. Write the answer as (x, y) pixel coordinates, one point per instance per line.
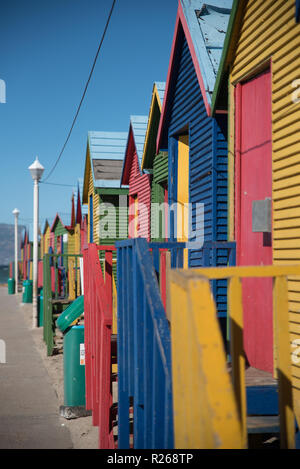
(84, 93)
(57, 184)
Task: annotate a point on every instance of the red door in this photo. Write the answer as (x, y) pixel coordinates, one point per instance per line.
(254, 182)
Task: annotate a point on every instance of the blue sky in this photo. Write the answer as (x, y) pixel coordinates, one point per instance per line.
(46, 51)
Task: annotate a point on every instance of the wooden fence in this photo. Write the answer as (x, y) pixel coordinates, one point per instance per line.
(98, 321)
(209, 411)
(61, 285)
(144, 346)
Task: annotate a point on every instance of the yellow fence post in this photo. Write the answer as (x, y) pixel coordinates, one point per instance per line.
(205, 411)
(180, 357)
(71, 279)
(114, 307)
(237, 350)
(187, 303)
(283, 359)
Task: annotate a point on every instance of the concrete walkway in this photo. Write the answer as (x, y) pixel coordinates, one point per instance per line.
(29, 417)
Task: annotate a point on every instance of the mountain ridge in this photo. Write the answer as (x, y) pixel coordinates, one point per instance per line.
(7, 242)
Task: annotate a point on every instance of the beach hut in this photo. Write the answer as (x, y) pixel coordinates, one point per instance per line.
(26, 257)
(62, 242)
(78, 223)
(84, 233)
(259, 77)
(139, 181)
(45, 239)
(157, 166)
(62, 234)
(43, 249)
(195, 141)
(22, 254)
(107, 202)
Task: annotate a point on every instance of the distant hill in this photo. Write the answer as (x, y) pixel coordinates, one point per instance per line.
(7, 242)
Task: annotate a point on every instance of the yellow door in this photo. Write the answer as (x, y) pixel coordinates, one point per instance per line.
(183, 192)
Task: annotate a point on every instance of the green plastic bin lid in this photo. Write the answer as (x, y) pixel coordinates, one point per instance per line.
(73, 312)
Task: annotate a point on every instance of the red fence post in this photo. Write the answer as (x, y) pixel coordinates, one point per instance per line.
(98, 324)
(87, 329)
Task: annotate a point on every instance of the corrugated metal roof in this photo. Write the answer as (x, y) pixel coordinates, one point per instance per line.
(207, 23)
(139, 129)
(157, 100)
(138, 125)
(106, 146)
(160, 86)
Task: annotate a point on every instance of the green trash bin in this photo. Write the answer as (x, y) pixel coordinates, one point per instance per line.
(27, 291)
(73, 312)
(11, 285)
(41, 308)
(74, 367)
(74, 361)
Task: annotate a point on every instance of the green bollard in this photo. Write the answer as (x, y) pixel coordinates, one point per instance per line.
(41, 308)
(74, 367)
(11, 284)
(27, 291)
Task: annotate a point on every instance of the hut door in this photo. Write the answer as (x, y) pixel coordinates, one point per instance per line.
(183, 192)
(133, 219)
(136, 216)
(254, 183)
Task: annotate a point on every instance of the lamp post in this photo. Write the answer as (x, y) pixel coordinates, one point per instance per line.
(36, 170)
(16, 213)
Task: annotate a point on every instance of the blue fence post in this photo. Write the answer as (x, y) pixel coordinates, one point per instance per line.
(138, 339)
(123, 402)
(144, 344)
(160, 350)
(156, 259)
(232, 255)
(129, 322)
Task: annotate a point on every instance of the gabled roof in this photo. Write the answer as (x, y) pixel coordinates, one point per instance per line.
(219, 98)
(73, 221)
(104, 157)
(57, 219)
(157, 99)
(46, 226)
(231, 38)
(135, 140)
(207, 24)
(24, 238)
(160, 87)
(78, 208)
(204, 26)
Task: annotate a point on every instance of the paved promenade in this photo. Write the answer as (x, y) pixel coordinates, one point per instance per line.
(29, 416)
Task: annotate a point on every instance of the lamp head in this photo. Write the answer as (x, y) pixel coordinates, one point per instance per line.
(36, 170)
(16, 212)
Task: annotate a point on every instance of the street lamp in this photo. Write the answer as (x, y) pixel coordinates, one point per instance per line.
(16, 213)
(36, 170)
